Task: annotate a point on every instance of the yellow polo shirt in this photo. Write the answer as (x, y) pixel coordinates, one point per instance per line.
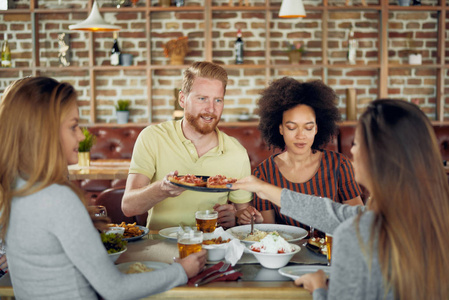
(161, 149)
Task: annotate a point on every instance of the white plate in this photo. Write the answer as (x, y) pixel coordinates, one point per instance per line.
(289, 233)
(169, 233)
(297, 271)
(123, 267)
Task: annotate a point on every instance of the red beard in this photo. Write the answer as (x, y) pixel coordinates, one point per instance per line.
(200, 127)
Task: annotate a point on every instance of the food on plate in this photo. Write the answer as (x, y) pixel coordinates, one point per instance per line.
(189, 179)
(272, 243)
(214, 241)
(219, 181)
(131, 230)
(113, 242)
(138, 267)
(258, 235)
(319, 242)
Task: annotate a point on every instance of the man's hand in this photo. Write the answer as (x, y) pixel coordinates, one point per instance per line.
(169, 188)
(226, 215)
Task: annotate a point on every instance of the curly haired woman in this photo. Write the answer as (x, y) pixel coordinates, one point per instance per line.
(300, 119)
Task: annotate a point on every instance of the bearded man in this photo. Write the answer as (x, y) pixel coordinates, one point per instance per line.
(193, 145)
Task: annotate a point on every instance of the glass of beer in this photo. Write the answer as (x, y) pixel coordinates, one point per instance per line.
(189, 241)
(329, 239)
(206, 220)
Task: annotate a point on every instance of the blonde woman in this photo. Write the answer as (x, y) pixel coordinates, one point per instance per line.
(396, 246)
(54, 251)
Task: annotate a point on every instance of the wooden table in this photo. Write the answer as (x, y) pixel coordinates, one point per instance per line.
(107, 169)
(157, 248)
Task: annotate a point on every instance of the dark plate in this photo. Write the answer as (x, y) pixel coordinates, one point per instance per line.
(203, 189)
(314, 249)
(134, 238)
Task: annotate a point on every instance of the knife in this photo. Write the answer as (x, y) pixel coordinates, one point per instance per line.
(212, 278)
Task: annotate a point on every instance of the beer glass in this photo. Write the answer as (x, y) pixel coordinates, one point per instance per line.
(329, 239)
(189, 242)
(206, 220)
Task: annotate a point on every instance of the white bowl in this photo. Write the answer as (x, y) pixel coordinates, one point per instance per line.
(275, 260)
(116, 255)
(116, 230)
(216, 252)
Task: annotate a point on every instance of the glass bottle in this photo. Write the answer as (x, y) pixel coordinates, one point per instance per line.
(115, 51)
(6, 53)
(352, 47)
(238, 48)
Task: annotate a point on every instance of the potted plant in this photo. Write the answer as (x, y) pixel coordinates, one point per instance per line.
(84, 148)
(414, 55)
(176, 49)
(295, 52)
(122, 110)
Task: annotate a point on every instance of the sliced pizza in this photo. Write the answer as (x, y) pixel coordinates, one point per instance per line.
(189, 180)
(219, 181)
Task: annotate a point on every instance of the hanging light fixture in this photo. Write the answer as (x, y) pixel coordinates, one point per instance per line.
(94, 22)
(292, 9)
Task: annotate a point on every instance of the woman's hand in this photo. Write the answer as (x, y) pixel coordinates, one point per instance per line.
(3, 263)
(244, 216)
(100, 222)
(194, 263)
(263, 189)
(313, 281)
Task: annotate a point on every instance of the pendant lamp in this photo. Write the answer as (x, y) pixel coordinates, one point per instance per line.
(94, 22)
(292, 9)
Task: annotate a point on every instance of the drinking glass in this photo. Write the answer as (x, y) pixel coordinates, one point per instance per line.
(206, 220)
(329, 240)
(100, 211)
(189, 241)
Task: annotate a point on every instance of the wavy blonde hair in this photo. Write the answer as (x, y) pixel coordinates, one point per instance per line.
(31, 112)
(410, 199)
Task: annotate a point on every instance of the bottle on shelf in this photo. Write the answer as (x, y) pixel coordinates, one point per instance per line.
(115, 51)
(238, 48)
(352, 47)
(6, 53)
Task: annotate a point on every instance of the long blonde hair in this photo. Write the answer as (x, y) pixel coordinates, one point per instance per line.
(410, 198)
(31, 112)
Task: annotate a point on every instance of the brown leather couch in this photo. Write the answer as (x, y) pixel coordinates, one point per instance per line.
(118, 142)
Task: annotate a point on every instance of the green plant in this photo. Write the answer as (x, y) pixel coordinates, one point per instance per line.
(298, 47)
(88, 142)
(122, 105)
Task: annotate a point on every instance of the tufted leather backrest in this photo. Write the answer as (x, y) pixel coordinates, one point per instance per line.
(114, 142)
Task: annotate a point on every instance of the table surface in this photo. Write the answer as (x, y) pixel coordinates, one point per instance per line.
(107, 169)
(257, 282)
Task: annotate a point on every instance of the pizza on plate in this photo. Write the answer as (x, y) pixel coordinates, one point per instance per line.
(320, 243)
(219, 181)
(189, 179)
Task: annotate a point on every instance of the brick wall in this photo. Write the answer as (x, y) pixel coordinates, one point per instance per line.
(416, 84)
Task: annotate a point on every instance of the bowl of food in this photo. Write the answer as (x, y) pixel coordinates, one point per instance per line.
(273, 252)
(115, 229)
(114, 244)
(215, 245)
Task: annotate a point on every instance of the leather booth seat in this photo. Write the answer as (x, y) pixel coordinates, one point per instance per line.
(118, 142)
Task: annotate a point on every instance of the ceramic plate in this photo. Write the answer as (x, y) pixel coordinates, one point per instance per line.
(296, 271)
(123, 267)
(169, 233)
(203, 189)
(134, 238)
(289, 233)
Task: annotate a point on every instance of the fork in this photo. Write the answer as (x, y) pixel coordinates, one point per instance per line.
(223, 268)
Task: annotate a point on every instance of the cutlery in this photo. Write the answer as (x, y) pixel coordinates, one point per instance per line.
(252, 225)
(223, 268)
(209, 279)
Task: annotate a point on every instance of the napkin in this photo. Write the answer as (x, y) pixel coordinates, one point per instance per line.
(234, 249)
(230, 277)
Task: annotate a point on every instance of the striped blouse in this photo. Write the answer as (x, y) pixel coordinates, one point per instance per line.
(334, 180)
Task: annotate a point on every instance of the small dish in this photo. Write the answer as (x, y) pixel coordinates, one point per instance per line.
(295, 272)
(116, 255)
(275, 260)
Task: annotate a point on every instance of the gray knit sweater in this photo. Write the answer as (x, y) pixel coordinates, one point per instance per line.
(54, 252)
(353, 274)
